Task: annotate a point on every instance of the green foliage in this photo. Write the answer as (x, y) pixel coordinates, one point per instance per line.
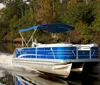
(96, 24)
(77, 12)
(85, 32)
(15, 7)
(13, 24)
(42, 37)
(3, 28)
(84, 16)
(64, 37)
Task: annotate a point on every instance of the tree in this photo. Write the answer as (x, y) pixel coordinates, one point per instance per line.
(43, 11)
(85, 33)
(15, 9)
(96, 23)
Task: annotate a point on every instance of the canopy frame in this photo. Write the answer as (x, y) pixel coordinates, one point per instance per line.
(54, 28)
(30, 39)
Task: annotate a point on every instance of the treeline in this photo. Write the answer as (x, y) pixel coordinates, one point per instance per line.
(83, 14)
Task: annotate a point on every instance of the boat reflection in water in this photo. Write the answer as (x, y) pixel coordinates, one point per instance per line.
(90, 79)
(30, 78)
(39, 80)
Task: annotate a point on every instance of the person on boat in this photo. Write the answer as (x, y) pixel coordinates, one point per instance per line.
(35, 43)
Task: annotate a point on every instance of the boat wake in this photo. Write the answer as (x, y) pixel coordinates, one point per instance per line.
(6, 58)
(6, 63)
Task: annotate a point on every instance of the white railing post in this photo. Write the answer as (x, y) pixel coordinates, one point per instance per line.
(90, 53)
(36, 52)
(53, 53)
(76, 52)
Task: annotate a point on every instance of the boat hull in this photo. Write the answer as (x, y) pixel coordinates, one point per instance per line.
(59, 69)
(55, 58)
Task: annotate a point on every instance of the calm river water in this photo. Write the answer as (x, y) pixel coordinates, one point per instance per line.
(19, 76)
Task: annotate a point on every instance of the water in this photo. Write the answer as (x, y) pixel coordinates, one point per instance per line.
(11, 74)
(12, 77)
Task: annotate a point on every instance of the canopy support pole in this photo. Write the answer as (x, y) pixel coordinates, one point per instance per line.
(31, 38)
(69, 40)
(23, 40)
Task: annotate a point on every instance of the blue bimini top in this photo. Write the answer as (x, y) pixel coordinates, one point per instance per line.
(53, 27)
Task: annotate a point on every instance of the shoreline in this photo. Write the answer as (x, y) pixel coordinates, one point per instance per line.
(10, 41)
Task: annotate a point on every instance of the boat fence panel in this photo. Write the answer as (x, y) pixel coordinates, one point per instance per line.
(47, 53)
(25, 52)
(65, 52)
(59, 53)
(83, 54)
(94, 52)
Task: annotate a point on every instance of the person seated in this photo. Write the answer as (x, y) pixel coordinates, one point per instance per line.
(35, 43)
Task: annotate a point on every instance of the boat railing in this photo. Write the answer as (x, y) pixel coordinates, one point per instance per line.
(60, 51)
(53, 54)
